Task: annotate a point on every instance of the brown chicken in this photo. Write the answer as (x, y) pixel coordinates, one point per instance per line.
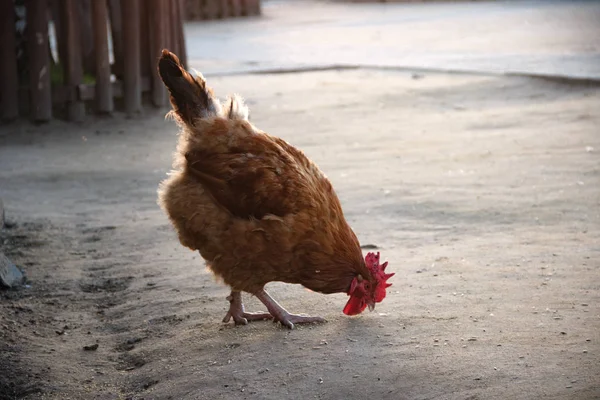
(256, 208)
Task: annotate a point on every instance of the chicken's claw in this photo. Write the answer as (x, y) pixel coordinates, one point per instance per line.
(281, 315)
(243, 318)
(237, 312)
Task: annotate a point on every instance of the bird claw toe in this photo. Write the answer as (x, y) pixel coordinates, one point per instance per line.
(244, 318)
(289, 325)
(290, 320)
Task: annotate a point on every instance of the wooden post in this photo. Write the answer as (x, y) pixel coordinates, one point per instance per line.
(157, 11)
(144, 39)
(72, 63)
(173, 35)
(225, 9)
(104, 95)
(39, 60)
(235, 8)
(179, 34)
(9, 77)
(166, 17)
(251, 7)
(86, 35)
(132, 80)
(192, 10)
(211, 9)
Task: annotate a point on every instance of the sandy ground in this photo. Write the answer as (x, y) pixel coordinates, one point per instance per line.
(482, 192)
(530, 37)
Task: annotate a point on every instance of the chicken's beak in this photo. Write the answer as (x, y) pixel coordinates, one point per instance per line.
(371, 305)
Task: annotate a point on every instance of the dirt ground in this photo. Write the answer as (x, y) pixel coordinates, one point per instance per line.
(482, 192)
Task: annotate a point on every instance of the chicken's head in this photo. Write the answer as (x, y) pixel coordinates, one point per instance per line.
(365, 292)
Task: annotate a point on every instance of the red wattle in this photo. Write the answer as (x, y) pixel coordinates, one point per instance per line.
(355, 306)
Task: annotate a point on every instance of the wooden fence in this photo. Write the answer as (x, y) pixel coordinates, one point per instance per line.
(67, 58)
(213, 9)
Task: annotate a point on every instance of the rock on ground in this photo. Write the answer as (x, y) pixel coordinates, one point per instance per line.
(10, 275)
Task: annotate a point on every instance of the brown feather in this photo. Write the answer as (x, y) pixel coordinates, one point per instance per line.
(255, 207)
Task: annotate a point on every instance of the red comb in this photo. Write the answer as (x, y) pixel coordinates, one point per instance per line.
(378, 272)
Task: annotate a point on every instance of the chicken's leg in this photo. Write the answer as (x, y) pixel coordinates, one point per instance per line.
(280, 314)
(236, 311)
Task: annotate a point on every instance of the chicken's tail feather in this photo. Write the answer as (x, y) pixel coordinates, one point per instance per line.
(191, 97)
(235, 108)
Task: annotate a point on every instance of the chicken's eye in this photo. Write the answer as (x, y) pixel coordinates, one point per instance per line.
(367, 286)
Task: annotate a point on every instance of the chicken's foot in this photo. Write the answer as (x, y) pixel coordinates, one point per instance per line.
(280, 314)
(236, 311)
